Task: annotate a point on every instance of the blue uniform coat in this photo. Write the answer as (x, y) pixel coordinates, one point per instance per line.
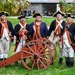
(53, 26)
(10, 27)
(71, 30)
(43, 29)
(16, 31)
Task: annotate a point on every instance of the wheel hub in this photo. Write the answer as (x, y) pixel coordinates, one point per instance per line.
(35, 56)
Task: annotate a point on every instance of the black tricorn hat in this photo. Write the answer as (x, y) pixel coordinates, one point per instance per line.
(58, 12)
(68, 15)
(37, 14)
(4, 13)
(22, 16)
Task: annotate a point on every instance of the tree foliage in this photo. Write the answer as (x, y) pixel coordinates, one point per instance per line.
(68, 7)
(13, 6)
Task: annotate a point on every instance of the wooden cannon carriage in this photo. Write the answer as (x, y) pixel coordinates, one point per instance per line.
(33, 53)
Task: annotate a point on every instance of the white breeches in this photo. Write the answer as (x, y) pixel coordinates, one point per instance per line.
(4, 48)
(20, 45)
(61, 49)
(4, 44)
(69, 52)
(56, 40)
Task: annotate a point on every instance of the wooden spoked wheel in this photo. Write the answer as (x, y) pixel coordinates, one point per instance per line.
(36, 53)
(52, 48)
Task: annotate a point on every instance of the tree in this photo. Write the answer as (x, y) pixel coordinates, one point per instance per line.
(13, 6)
(68, 8)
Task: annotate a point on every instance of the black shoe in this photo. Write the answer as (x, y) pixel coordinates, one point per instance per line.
(24, 60)
(52, 63)
(1, 59)
(16, 63)
(71, 62)
(5, 58)
(60, 61)
(67, 61)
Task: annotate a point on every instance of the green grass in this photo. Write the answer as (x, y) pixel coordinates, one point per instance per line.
(47, 20)
(19, 69)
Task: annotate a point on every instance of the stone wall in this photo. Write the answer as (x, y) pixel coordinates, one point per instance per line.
(50, 8)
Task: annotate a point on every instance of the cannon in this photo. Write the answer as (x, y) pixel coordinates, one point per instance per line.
(33, 53)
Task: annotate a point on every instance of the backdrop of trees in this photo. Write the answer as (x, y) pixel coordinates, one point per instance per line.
(16, 6)
(13, 6)
(68, 7)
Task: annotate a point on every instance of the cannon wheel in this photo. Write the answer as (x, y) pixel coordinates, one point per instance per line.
(52, 48)
(36, 53)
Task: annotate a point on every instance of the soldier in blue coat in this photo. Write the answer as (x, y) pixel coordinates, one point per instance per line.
(71, 28)
(69, 41)
(9, 24)
(21, 31)
(56, 31)
(6, 35)
(38, 29)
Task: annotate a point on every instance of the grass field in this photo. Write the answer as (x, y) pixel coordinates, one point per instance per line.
(47, 20)
(19, 69)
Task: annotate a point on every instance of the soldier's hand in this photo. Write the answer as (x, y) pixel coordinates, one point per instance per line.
(9, 33)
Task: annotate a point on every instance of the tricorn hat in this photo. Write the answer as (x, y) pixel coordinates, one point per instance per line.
(22, 16)
(4, 13)
(58, 12)
(37, 14)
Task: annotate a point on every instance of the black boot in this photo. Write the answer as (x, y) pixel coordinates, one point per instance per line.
(24, 60)
(60, 61)
(71, 62)
(4, 58)
(52, 62)
(16, 63)
(67, 61)
(1, 59)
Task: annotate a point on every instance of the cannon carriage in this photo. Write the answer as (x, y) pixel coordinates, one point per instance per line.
(33, 53)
